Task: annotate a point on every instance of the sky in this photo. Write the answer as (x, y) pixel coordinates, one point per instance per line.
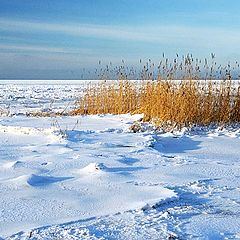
(62, 39)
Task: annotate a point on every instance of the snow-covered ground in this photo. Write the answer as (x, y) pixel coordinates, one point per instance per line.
(89, 177)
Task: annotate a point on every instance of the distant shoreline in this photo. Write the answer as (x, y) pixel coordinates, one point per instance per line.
(73, 82)
(42, 82)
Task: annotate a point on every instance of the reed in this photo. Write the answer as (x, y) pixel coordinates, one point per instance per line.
(165, 101)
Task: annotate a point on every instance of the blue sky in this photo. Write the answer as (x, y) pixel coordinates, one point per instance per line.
(57, 38)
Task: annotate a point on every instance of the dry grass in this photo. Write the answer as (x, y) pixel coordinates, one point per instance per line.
(166, 102)
(116, 97)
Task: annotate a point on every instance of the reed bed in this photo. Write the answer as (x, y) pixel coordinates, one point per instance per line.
(163, 100)
(166, 102)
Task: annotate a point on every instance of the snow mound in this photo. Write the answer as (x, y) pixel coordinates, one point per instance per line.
(19, 182)
(12, 165)
(17, 131)
(92, 168)
(32, 180)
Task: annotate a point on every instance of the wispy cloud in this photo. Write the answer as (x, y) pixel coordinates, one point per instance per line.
(31, 48)
(84, 30)
(45, 49)
(167, 34)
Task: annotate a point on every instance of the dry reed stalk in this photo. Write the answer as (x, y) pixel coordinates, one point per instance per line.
(167, 102)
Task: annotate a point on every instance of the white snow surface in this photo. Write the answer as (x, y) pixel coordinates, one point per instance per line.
(89, 177)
